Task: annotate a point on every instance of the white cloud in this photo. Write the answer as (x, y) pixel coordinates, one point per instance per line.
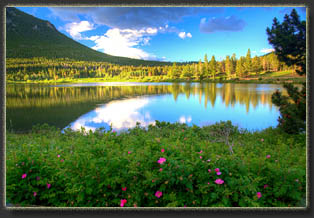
(183, 35)
(75, 29)
(267, 50)
(124, 42)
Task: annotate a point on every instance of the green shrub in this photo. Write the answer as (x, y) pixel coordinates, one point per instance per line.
(101, 168)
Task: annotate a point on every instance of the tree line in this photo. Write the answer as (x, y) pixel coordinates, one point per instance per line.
(40, 68)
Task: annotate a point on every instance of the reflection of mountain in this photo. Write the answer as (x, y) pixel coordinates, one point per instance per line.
(27, 105)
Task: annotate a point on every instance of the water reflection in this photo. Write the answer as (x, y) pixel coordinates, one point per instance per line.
(120, 115)
(122, 105)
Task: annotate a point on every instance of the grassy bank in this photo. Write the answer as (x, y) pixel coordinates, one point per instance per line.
(259, 80)
(164, 165)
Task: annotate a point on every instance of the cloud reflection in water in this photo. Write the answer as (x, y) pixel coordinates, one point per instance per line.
(121, 114)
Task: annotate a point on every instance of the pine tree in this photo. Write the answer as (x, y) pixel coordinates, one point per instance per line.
(205, 66)
(213, 67)
(228, 66)
(289, 42)
(248, 62)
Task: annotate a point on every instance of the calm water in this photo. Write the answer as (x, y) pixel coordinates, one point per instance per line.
(122, 105)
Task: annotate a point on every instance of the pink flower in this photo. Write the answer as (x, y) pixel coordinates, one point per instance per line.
(209, 170)
(35, 193)
(218, 173)
(162, 150)
(208, 183)
(61, 160)
(208, 160)
(58, 155)
(113, 131)
(219, 181)
(129, 152)
(48, 185)
(259, 195)
(262, 140)
(158, 194)
(123, 188)
(123, 201)
(201, 157)
(161, 160)
(268, 156)
(37, 178)
(217, 169)
(24, 176)
(160, 169)
(200, 152)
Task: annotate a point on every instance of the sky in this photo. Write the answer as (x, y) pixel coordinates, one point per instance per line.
(175, 34)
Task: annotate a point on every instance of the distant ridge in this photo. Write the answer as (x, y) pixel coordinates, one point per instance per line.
(28, 37)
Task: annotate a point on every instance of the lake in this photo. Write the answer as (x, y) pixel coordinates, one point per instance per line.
(122, 105)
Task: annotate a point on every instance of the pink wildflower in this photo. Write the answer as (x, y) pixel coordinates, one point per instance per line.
(160, 169)
(201, 157)
(262, 140)
(37, 178)
(208, 183)
(268, 156)
(208, 160)
(61, 160)
(129, 152)
(35, 193)
(161, 160)
(209, 170)
(123, 188)
(24, 176)
(158, 194)
(162, 150)
(217, 169)
(218, 173)
(219, 181)
(123, 201)
(58, 155)
(48, 185)
(259, 195)
(201, 151)
(265, 186)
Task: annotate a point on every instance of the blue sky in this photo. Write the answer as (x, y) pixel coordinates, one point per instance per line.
(167, 33)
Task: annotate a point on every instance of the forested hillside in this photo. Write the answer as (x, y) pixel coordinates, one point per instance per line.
(28, 37)
(36, 51)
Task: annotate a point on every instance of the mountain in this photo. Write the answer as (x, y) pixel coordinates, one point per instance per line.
(28, 36)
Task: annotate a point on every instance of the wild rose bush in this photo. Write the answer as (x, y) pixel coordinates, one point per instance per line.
(166, 165)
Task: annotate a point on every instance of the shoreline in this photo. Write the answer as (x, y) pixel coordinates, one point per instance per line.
(101, 80)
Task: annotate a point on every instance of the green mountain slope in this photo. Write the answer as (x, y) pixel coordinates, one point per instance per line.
(28, 36)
